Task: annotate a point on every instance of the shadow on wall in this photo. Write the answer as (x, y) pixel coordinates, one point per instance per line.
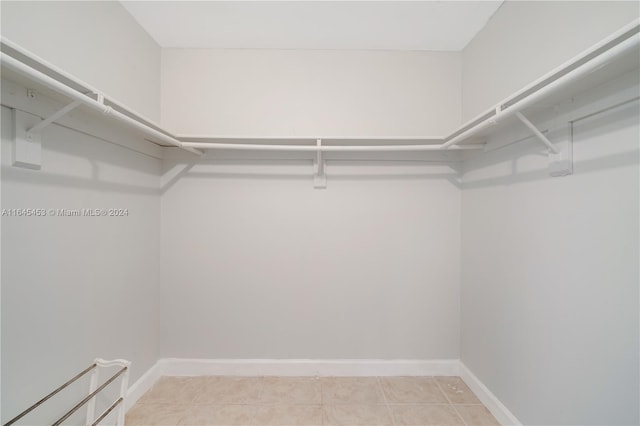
(76, 160)
(527, 161)
(515, 158)
(302, 170)
(94, 183)
(522, 162)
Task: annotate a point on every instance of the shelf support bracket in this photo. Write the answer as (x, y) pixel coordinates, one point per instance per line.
(319, 178)
(53, 117)
(560, 154)
(542, 138)
(27, 150)
(561, 164)
(27, 137)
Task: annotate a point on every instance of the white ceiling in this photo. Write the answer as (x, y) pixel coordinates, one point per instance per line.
(394, 25)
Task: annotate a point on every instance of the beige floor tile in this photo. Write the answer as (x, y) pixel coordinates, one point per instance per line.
(175, 390)
(425, 414)
(288, 415)
(229, 390)
(213, 415)
(351, 390)
(457, 391)
(476, 415)
(412, 390)
(290, 390)
(354, 415)
(199, 401)
(155, 414)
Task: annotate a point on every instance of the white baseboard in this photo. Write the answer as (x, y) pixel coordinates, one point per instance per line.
(493, 404)
(143, 384)
(308, 367)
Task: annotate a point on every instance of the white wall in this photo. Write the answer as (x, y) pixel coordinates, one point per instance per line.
(258, 264)
(254, 263)
(97, 41)
(550, 266)
(76, 288)
(310, 93)
(550, 272)
(526, 39)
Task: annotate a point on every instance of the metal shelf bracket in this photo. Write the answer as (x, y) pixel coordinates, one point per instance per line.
(542, 138)
(53, 117)
(27, 150)
(561, 163)
(560, 154)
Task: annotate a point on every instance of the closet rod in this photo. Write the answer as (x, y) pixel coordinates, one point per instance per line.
(65, 90)
(328, 148)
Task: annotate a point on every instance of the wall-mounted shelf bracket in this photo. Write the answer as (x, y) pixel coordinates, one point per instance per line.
(53, 117)
(27, 150)
(319, 177)
(560, 154)
(561, 163)
(541, 137)
(99, 97)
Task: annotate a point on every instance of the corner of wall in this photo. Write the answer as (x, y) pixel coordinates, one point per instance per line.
(144, 384)
(493, 404)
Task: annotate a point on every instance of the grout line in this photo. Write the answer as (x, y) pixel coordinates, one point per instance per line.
(452, 405)
(256, 405)
(386, 403)
(459, 415)
(443, 392)
(322, 410)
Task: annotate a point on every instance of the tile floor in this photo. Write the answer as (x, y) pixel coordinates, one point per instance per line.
(394, 401)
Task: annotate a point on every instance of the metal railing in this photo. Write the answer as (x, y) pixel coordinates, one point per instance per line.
(94, 389)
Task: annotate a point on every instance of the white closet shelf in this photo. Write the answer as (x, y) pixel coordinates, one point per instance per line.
(26, 68)
(610, 58)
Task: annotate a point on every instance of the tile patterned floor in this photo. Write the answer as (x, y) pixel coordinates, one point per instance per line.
(393, 401)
